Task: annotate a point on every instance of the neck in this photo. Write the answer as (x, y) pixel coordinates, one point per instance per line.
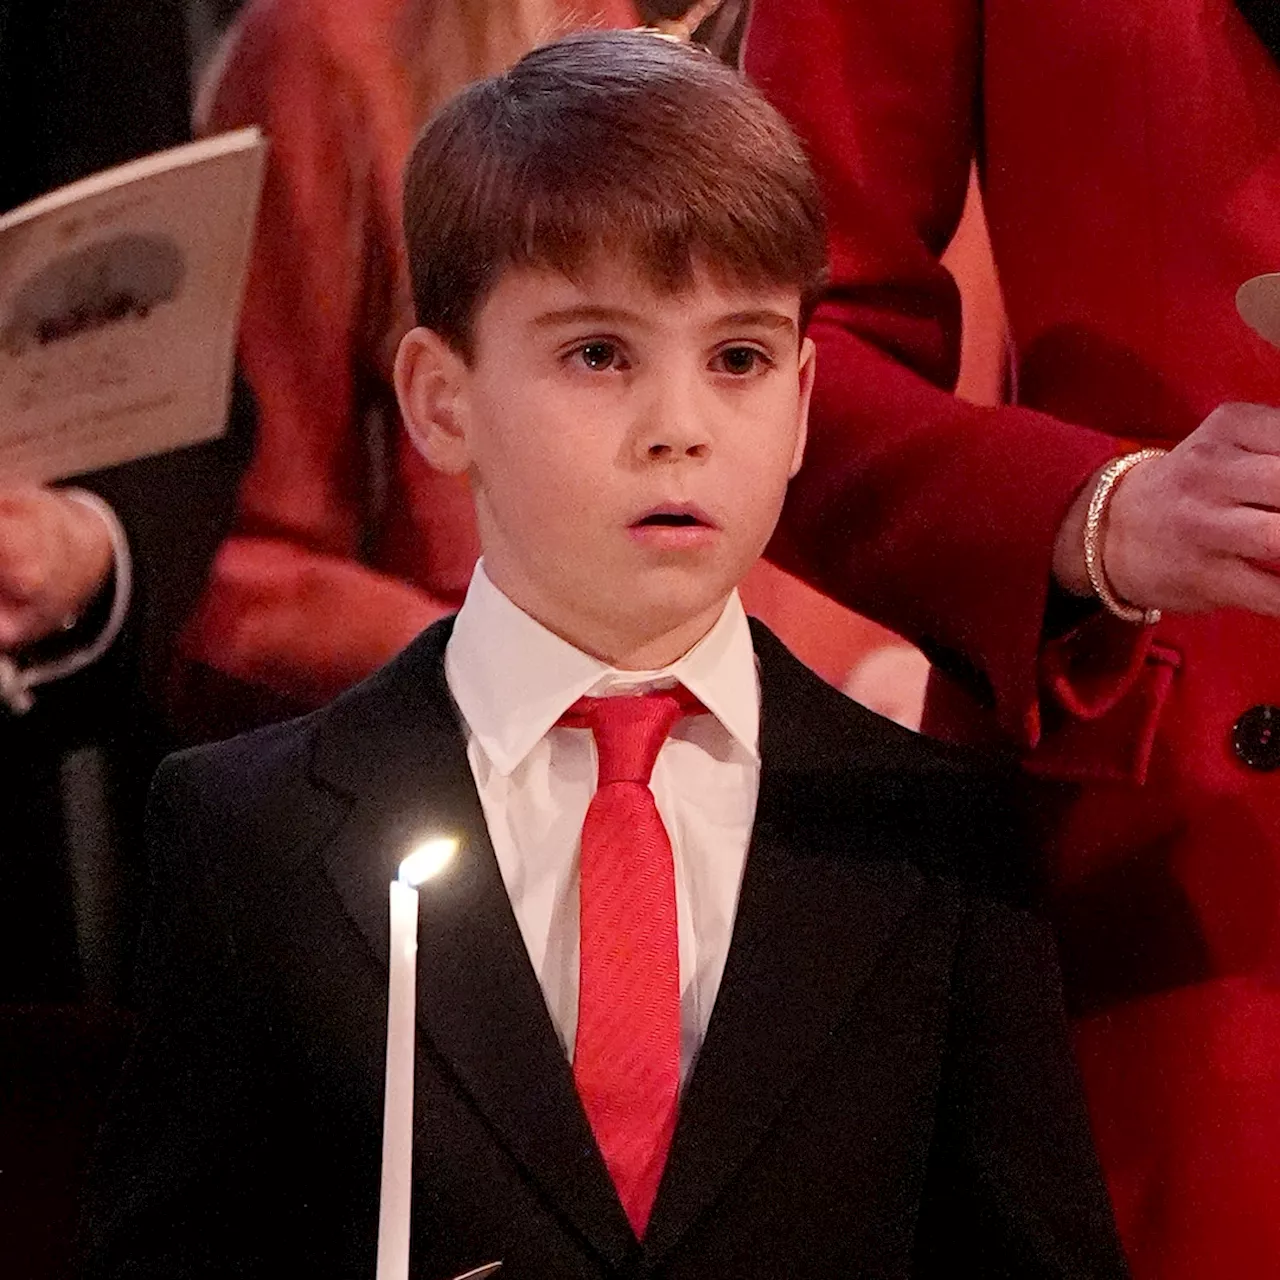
(640, 653)
(616, 645)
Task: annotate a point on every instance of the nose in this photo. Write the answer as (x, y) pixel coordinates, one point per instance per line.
(674, 424)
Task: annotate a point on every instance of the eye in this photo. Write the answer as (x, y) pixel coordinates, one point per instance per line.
(599, 355)
(740, 361)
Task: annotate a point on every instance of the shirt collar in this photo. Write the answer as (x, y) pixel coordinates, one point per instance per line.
(513, 679)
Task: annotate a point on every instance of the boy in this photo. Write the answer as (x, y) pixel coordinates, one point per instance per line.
(712, 1026)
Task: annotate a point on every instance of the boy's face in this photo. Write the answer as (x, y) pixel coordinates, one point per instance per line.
(628, 450)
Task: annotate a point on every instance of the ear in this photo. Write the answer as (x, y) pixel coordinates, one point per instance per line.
(808, 363)
(430, 380)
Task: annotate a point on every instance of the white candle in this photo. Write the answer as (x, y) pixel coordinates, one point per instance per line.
(429, 859)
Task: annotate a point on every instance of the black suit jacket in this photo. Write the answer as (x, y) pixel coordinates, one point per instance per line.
(885, 1088)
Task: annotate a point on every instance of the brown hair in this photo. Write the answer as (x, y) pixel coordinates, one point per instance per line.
(608, 141)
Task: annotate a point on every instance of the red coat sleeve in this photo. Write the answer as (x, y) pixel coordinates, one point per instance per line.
(935, 517)
(289, 608)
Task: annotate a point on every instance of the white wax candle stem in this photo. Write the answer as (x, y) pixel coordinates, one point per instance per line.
(397, 1116)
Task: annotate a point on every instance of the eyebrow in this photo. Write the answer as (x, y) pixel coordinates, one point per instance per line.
(763, 317)
(592, 314)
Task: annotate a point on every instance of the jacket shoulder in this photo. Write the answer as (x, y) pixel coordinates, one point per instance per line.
(244, 766)
(840, 730)
(851, 779)
(239, 809)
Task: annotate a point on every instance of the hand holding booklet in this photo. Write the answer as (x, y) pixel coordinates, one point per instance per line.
(119, 301)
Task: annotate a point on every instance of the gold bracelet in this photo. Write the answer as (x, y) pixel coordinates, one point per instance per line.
(1093, 521)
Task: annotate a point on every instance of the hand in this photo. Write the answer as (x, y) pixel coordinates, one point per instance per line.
(1197, 529)
(55, 556)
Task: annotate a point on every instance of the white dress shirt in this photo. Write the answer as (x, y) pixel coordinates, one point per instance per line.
(512, 679)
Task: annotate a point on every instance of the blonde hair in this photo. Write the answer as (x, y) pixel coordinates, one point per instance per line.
(450, 43)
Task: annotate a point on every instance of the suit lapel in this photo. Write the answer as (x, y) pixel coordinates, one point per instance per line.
(394, 746)
(813, 918)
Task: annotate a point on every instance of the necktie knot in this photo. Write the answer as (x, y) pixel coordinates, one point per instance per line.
(630, 731)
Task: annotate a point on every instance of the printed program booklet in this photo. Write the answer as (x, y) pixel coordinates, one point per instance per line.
(119, 302)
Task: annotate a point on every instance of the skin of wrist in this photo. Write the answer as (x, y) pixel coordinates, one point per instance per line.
(1069, 570)
(1115, 541)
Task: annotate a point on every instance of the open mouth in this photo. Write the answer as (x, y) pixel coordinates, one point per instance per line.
(679, 515)
(668, 520)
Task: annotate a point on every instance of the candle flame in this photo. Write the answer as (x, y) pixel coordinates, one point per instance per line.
(427, 861)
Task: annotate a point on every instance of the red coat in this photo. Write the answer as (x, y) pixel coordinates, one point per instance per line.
(1130, 152)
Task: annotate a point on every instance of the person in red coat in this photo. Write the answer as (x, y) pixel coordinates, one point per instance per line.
(1130, 162)
(345, 543)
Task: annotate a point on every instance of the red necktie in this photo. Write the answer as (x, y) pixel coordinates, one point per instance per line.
(626, 1056)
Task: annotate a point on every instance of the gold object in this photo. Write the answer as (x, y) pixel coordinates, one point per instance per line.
(1093, 521)
(1258, 302)
(682, 28)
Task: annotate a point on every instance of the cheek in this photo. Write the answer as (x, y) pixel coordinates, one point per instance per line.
(533, 485)
(513, 445)
(763, 452)
(762, 508)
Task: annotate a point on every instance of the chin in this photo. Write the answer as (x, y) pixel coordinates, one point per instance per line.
(661, 612)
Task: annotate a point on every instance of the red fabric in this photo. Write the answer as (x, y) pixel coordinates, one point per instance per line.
(626, 1057)
(1130, 156)
(346, 543)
